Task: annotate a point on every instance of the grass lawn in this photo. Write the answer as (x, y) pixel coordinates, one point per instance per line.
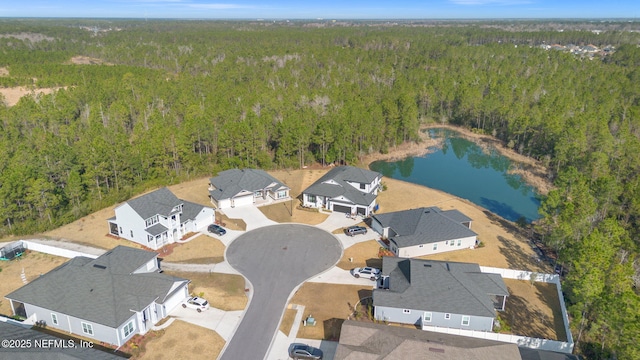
(330, 305)
(183, 340)
(231, 224)
(363, 254)
(287, 320)
(282, 213)
(223, 291)
(201, 250)
(33, 263)
(534, 310)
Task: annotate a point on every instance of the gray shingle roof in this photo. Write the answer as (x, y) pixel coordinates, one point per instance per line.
(341, 175)
(424, 226)
(15, 332)
(229, 183)
(161, 201)
(101, 290)
(367, 341)
(439, 286)
(190, 211)
(156, 229)
(535, 354)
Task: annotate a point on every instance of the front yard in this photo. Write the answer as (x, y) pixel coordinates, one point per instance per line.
(223, 291)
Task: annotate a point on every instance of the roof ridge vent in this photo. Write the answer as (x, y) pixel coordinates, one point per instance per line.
(99, 266)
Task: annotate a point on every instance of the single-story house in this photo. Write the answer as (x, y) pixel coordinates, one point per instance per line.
(424, 231)
(369, 341)
(158, 218)
(108, 299)
(237, 187)
(345, 189)
(438, 293)
(360, 340)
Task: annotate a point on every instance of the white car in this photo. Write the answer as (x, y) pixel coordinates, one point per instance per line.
(197, 303)
(368, 272)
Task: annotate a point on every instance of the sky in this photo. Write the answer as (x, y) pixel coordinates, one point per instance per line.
(322, 9)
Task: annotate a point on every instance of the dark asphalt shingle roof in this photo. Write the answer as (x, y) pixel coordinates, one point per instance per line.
(368, 341)
(190, 210)
(156, 229)
(439, 286)
(424, 226)
(101, 290)
(15, 332)
(334, 184)
(229, 183)
(535, 354)
(161, 201)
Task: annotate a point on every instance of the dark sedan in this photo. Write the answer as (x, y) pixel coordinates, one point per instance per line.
(304, 352)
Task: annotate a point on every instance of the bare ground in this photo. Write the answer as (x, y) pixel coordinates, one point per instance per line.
(201, 250)
(181, 339)
(223, 291)
(14, 94)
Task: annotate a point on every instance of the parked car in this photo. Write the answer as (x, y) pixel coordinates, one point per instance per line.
(216, 229)
(368, 272)
(304, 352)
(197, 303)
(355, 230)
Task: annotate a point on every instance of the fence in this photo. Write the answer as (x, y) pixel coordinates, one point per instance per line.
(534, 343)
(52, 250)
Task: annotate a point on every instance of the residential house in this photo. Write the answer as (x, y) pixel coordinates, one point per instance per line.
(344, 189)
(369, 341)
(438, 293)
(360, 340)
(425, 231)
(108, 299)
(237, 187)
(158, 218)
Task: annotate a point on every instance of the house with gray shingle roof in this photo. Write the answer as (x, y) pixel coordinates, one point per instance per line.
(158, 218)
(240, 187)
(345, 189)
(108, 299)
(438, 293)
(425, 231)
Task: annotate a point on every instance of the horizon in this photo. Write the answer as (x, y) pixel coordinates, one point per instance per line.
(329, 10)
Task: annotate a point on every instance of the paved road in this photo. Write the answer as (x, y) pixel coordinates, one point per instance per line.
(275, 259)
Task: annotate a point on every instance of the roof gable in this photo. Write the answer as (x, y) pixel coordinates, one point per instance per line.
(335, 183)
(230, 183)
(161, 201)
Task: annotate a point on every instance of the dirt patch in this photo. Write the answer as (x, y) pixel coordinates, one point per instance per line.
(33, 263)
(288, 212)
(223, 291)
(4, 71)
(33, 37)
(195, 191)
(330, 305)
(13, 95)
(362, 254)
(181, 338)
(298, 180)
(534, 310)
(201, 250)
(86, 60)
(287, 320)
(231, 224)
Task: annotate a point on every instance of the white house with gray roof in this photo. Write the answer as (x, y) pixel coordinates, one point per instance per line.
(158, 218)
(108, 299)
(345, 189)
(438, 293)
(240, 187)
(425, 231)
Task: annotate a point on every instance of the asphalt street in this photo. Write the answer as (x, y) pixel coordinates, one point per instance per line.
(275, 259)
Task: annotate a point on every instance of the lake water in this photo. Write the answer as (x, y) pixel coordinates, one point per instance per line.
(463, 169)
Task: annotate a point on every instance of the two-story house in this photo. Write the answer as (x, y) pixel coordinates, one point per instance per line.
(344, 189)
(158, 218)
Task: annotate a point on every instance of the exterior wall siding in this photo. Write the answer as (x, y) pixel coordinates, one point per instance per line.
(204, 218)
(129, 221)
(427, 249)
(415, 317)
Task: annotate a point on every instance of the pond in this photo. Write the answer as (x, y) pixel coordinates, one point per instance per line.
(462, 168)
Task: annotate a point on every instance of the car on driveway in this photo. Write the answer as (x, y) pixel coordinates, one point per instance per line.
(304, 352)
(355, 230)
(368, 272)
(216, 229)
(197, 303)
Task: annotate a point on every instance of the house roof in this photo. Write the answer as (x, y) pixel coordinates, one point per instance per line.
(231, 182)
(161, 201)
(334, 184)
(535, 354)
(439, 286)
(16, 332)
(190, 210)
(103, 290)
(425, 225)
(368, 341)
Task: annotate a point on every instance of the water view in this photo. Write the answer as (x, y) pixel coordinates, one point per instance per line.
(463, 169)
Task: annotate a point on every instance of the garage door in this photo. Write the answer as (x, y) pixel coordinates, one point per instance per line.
(176, 299)
(342, 208)
(243, 200)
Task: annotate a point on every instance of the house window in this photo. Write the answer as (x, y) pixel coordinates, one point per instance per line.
(120, 229)
(87, 328)
(452, 243)
(421, 245)
(128, 329)
(54, 319)
(257, 193)
(152, 220)
(406, 311)
(311, 198)
(149, 238)
(459, 242)
(131, 232)
(447, 316)
(363, 186)
(435, 246)
(426, 317)
(466, 320)
(446, 242)
(282, 194)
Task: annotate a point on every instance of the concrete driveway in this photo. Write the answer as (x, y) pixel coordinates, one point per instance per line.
(252, 216)
(222, 322)
(275, 260)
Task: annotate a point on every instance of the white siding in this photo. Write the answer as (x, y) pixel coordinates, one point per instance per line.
(204, 218)
(130, 222)
(427, 249)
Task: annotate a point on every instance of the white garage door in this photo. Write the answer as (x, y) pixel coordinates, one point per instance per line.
(243, 200)
(176, 299)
